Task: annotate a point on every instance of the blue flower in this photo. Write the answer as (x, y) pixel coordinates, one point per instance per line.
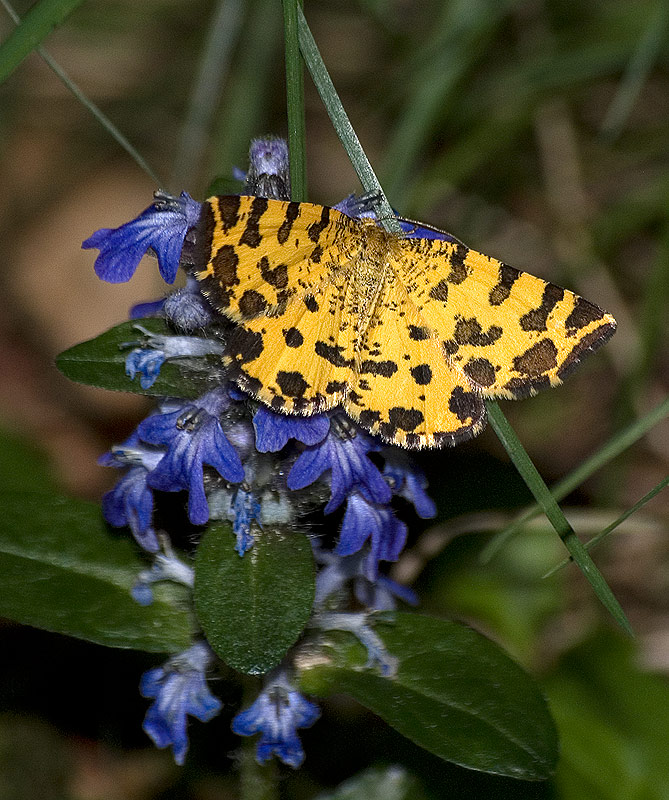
(349, 466)
(130, 503)
(162, 227)
(357, 624)
(151, 308)
(268, 174)
(408, 482)
(363, 521)
(179, 688)
(166, 567)
(188, 309)
(277, 714)
(147, 361)
(336, 571)
(244, 508)
(193, 436)
(273, 430)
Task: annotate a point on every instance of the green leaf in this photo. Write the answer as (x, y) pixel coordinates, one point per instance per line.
(456, 693)
(35, 26)
(23, 465)
(252, 608)
(610, 711)
(61, 570)
(101, 362)
(391, 783)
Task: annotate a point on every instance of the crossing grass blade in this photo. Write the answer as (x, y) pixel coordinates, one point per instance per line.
(610, 528)
(507, 436)
(614, 447)
(553, 512)
(35, 26)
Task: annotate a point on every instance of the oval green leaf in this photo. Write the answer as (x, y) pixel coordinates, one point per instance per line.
(61, 570)
(101, 362)
(253, 608)
(456, 693)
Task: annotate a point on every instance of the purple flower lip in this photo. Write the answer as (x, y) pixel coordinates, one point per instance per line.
(179, 688)
(277, 714)
(161, 228)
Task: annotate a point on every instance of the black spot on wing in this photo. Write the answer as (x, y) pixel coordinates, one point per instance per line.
(536, 318)
(316, 228)
(293, 337)
(224, 264)
(465, 405)
(277, 277)
(399, 418)
(501, 291)
(369, 418)
(292, 212)
(440, 290)
(422, 374)
(228, 209)
(469, 331)
(252, 304)
(583, 314)
(333, 354)
(481, 371)
(292, 384)
(335, 387)
(538, 359)
(457, 263)
(310, 303)
(384, 368)
(251, 235)
(418, 333)
(244, 345)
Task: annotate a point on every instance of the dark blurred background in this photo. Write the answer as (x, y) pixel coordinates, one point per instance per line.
(536, 132)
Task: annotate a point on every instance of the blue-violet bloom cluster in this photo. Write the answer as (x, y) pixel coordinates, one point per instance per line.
(245, 463)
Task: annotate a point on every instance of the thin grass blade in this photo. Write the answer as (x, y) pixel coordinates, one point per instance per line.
(35, 26)
(613, 448)
(610, 528)
(552, 510)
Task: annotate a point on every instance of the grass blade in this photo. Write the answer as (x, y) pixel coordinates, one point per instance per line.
(552, 510)
(102, 118)
(610, 528)
(614, 447)
(297, 137)
(37, 24)
(342, 125)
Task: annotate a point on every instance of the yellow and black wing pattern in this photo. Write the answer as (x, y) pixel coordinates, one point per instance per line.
(408, 335)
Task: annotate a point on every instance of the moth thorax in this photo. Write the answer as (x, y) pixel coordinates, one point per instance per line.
(375, 252)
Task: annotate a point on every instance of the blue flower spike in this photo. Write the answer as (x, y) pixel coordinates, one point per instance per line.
(161, 228)
(179, 688)
(244, 509)
(346, 459)
(277, 714)
(274, 430)
(147, 360)
(166, 567)
(407, 481)
(357, 624)
(130, 502)
(378, 523)
(194, 437)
